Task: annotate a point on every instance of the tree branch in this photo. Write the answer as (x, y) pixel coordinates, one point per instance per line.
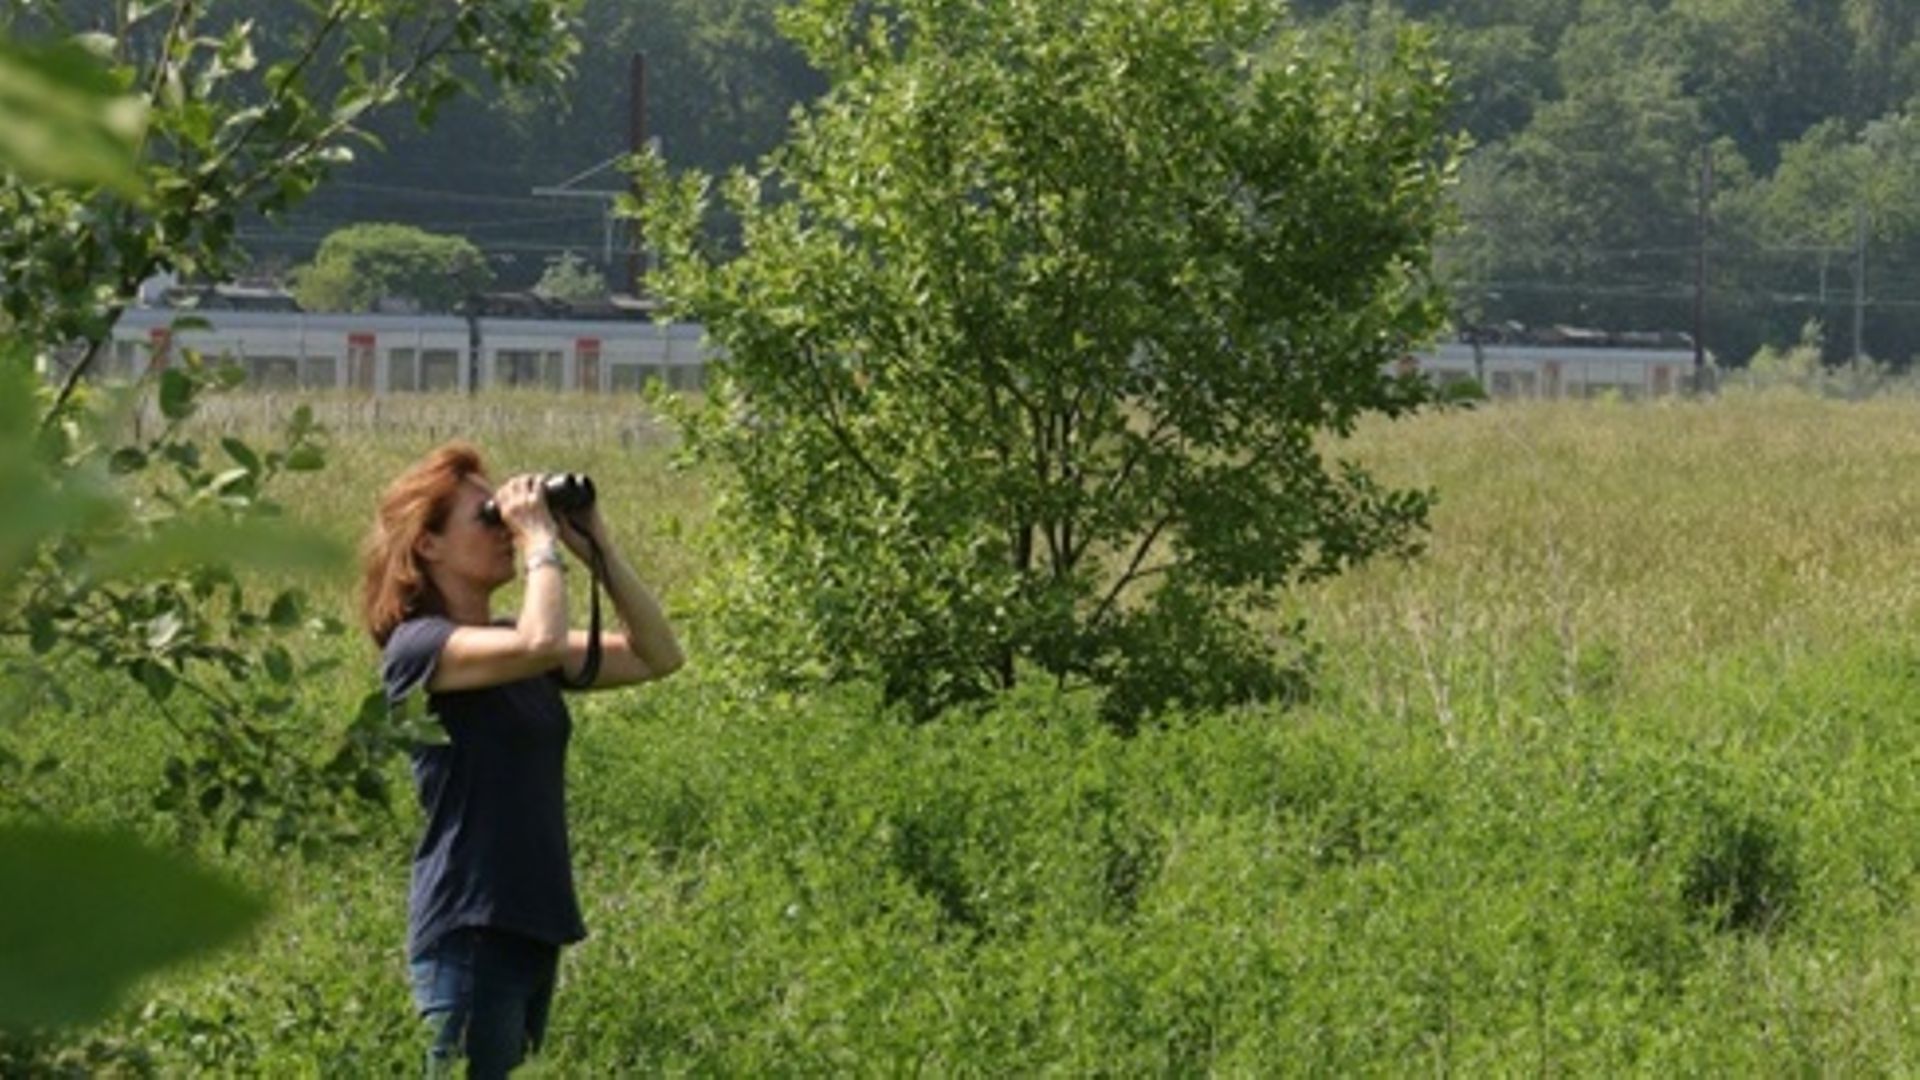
(837, 426)
(1135, 454)
(1133, 572)
(78, 370)
(332, 23)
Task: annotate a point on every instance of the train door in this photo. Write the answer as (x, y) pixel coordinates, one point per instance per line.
(586, 354)
(360, 362)
(1662, 380)
(159, 344)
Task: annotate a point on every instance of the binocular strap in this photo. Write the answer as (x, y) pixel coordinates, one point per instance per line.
(590, 670)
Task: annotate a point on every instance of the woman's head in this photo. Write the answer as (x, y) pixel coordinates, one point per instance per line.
(428, 538)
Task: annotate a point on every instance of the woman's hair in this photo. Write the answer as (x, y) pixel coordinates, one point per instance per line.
(395, 584)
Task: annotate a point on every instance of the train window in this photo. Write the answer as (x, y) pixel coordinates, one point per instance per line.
(401, 375)
(626, 378)
(1514, 383)
(440, 369)
(530, 367)
(516, 367)
(322, 373)
(274, 372)
(126, 359)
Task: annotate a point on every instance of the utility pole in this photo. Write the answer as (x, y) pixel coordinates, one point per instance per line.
(636, 144)
(1700, 276)
(1859, 281)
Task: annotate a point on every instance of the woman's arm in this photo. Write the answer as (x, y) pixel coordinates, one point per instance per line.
(477, 656)
(648, 649)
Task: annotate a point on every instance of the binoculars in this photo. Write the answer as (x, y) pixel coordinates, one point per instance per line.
(565, 493)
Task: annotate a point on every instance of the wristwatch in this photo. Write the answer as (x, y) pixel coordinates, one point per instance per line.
(545, 556)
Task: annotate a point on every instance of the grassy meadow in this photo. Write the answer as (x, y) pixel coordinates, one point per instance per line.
(1618, 776)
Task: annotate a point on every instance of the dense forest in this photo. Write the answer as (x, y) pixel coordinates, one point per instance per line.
(1626, 153)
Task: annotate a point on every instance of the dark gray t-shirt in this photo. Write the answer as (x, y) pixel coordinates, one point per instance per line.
(495, 849)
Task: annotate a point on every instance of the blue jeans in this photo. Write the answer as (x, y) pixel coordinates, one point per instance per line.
(485, 995)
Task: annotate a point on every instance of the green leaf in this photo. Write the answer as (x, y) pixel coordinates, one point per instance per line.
(241, 453)
(156, 677)
(262, 545)
(373, 711)
(279, 665)
(286, 610)
(413, 722)
(63, 118)
(30, 511)
(83, 914)
(306, 458)
(176, 394)
(127, 459)
(41, 634)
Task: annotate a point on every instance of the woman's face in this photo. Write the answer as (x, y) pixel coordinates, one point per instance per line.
(466, 548)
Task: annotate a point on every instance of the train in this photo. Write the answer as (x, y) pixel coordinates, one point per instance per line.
(1561, 362)
(615, 348)
(394, 353)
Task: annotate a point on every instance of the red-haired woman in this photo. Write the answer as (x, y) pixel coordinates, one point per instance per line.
(492, 894)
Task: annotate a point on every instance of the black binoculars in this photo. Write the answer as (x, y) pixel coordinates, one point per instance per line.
(566, 493)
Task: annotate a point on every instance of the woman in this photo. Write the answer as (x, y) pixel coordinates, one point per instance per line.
(492, 895)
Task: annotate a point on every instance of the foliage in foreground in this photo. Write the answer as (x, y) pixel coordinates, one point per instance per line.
(789, 887)
(1616, 779)
(1035, 325)
(131, 141)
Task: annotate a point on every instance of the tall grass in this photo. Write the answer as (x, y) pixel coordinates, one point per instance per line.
(1617, 776)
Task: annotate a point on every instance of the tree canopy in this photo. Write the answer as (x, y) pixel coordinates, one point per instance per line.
(367, 267)
(1581, 200)
(1034, 326)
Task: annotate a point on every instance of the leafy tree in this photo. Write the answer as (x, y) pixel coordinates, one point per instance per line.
(570, 278)
(1808, 215)
(220, 133)
(229, 134)
(129, 148)
(1584, 216)
(1500, 75)
(362, 267)
(1038, 322)
(1762, 70)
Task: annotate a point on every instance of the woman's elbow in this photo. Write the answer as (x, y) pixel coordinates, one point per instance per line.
(547, 648)
(664, 662)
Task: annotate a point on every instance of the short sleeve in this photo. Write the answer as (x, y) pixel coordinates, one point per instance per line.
(412, 654)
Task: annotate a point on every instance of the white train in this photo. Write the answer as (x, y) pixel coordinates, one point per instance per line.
(1565, 364)
(398, 354)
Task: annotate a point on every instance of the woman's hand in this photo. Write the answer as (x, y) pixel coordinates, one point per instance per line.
(523, 510)
(577, 528)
